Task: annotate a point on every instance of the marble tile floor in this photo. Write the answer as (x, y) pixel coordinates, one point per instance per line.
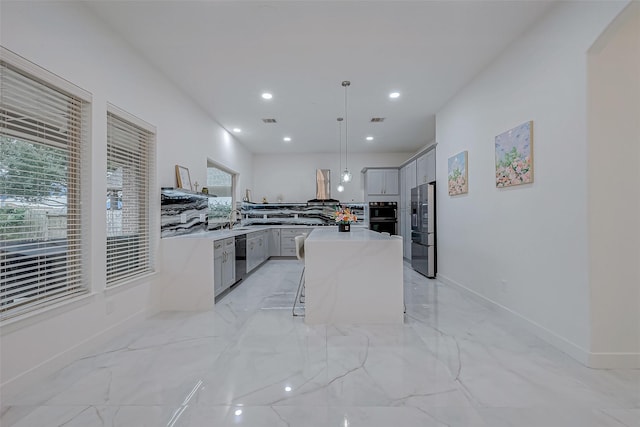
(249, 362)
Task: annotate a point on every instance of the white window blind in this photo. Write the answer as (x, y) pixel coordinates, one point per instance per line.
(43, 139)
(130, 155)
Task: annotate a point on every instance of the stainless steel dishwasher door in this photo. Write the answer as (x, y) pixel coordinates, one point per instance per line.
(241, 257)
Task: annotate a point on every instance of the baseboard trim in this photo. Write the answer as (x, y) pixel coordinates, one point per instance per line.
(614, 360)
(28, 378)
(588, 359)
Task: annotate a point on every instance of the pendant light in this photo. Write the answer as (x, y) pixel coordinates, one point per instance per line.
(346, 175)
(340, 186)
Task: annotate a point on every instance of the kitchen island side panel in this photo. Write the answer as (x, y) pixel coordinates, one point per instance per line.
(353, 278)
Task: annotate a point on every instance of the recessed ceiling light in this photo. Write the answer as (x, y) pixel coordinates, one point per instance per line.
(286, 139)
(369, 138)
(238, 412)
(237, 130)
(394, 94)
(267, 95)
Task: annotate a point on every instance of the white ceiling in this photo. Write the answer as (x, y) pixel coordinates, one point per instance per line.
(224, 54)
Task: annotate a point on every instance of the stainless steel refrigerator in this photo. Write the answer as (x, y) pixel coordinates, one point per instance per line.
(423, 229)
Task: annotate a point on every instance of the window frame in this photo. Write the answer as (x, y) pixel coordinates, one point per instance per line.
(220, 222)
(28, 79)
(116, 273)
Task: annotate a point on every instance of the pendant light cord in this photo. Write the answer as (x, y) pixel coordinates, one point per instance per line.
(340, 149)
(346, 84)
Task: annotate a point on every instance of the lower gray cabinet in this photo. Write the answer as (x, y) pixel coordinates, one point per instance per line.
(288, 242)
(224, 265)
(263, 246)
(252, 251)
(257, 248)
(229, 263)
(274, 242)
(217, 267)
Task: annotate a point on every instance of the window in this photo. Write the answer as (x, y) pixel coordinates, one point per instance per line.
(43, 138)
(130, 153)
(220, 186)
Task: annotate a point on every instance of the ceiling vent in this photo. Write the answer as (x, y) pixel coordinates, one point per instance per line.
(269, 120)
(377, 119)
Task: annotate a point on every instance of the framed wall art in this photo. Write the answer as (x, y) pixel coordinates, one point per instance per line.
(514, 156)
(183, 178)
(457, 174)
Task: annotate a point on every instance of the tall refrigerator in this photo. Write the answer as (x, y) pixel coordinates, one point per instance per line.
(423, 229)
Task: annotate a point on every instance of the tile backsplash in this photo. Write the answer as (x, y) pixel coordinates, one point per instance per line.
(187, 212)
(182, 212)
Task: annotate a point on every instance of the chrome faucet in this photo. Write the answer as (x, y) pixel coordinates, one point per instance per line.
(231, 217)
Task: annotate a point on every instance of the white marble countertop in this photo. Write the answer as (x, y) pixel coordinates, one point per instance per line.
(239, 230)
(325, 234)
(220, 234)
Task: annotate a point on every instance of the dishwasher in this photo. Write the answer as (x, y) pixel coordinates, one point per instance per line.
(241, 257)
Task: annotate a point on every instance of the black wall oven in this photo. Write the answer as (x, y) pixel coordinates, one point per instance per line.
(383, 217)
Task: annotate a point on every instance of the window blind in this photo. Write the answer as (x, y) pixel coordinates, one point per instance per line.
(43, 139)
(130, 150)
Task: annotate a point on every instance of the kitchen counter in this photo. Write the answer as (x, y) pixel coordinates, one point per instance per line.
(187, 262)
(239, 230)
(354, 277)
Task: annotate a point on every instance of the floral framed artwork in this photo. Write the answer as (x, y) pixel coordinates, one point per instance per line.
(183, 178)
(457, 174)
(514, 156)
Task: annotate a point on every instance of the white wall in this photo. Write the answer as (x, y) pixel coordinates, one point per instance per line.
(292, 178)
(533, 237)
(67, 40)
(614, 195)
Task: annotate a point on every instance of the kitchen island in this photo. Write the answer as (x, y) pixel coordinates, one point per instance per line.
(353, 277)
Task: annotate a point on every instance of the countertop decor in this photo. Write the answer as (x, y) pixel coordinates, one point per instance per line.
(344, 217)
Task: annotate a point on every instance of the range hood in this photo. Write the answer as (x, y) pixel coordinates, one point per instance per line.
(323, 188)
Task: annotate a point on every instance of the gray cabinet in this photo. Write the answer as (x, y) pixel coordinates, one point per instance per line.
(426, 167)
(229, 263)
(288, 240)
(274, 242)
(408, 182)
(224, 267)
(381, 182)
(410, 173)
(217, 267)
(252, 251)
(257, 249)
(263, 246)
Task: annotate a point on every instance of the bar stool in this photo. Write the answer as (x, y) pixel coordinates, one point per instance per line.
(300, 255)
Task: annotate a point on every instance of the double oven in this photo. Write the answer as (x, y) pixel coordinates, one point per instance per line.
(383, 217)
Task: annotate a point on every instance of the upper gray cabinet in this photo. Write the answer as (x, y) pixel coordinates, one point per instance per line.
(381, 182)
(410, 182)
(426, 167)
